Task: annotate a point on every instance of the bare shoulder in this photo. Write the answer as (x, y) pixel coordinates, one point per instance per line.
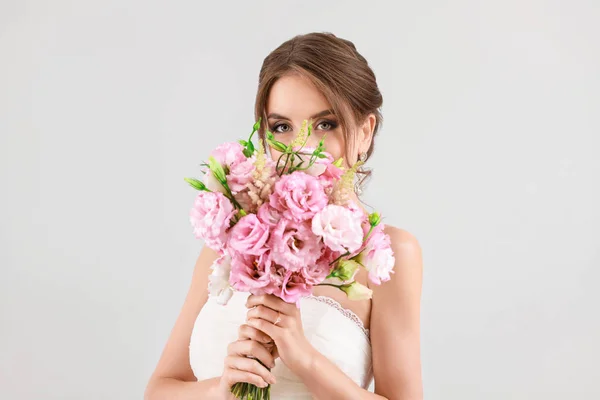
(405, 245)
(406, 280)
(395, 321)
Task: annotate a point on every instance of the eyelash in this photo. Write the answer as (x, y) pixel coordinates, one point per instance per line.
(331, 123)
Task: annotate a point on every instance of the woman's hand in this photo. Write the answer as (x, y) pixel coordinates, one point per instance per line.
(291, 345)
(239, 368)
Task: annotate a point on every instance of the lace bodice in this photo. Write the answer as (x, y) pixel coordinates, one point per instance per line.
(334, 331)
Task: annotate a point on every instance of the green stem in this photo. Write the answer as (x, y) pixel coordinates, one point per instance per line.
(328, 284)
(230, 196)
(337, 259)
(285, 164)
(368, 233)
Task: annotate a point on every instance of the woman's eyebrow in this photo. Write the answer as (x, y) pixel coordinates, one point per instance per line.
(317, 115)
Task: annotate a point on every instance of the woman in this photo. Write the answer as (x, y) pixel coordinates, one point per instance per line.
(331, 347)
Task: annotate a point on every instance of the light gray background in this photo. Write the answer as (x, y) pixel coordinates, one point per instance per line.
(488, 154)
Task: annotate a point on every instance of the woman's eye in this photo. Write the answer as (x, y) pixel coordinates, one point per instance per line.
(329, 125)
(277, 130)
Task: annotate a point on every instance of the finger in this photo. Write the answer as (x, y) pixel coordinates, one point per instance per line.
(275, 353)
(248, 332)
(272, 302)
(250, 365)
(235, 375)
(252, 348)
(266, 313)
(274, 331)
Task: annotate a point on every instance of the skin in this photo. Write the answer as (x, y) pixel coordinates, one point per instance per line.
(393, 314)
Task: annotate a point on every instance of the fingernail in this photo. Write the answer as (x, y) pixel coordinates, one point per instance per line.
(272, 380)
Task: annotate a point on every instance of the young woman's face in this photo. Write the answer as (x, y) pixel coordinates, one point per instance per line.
(294, 98)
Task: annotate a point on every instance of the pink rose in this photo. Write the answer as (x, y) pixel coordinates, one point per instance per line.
(298, 196)
(288, 285)
(294, 288)
(320, 164)
(293, 244)
(210, 217)
(339, 227)
(228, 154)
(325, 170)
(250, 273)
(377, 256)
(276, 277)
(331, 175)
(238, 167)
(269, 215)
(317, 272)
(359, 212)
(240, 173)
(248, 236)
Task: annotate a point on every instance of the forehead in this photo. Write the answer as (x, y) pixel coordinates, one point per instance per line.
(295, 96)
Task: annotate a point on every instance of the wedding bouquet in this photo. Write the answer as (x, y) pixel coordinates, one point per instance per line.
(283, 227)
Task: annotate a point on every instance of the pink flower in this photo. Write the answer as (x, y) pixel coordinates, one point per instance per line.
(325, 170)
(377, 256)
(228, 154)
(298, 196)
(331, 175)
(320, 164)
(288, 285)
(293, 244)
(317, 272)
(240, 173)
(294, 288)
(359, 212)
(210, 217)
(250, 273)
(239, 168)
(269, 215)
(340, 228)
(248, 236)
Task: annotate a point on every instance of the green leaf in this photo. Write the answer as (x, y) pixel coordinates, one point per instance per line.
(249, 150)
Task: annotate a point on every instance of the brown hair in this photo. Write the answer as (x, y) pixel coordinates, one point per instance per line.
(337, 70)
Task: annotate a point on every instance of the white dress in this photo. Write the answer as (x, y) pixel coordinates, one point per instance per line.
(336, 332)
